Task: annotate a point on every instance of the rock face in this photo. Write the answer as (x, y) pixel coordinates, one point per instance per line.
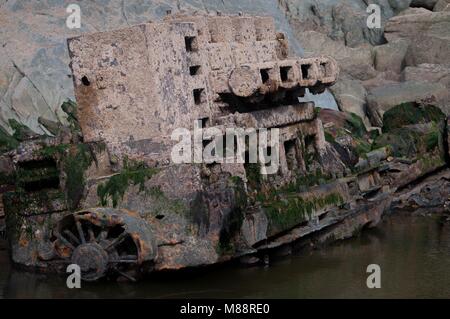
(432, 73)
(411, 35)
(356, 62)
(351, 97)
(427, 197)
(442, 5)
(428, 4)
(391, 56)
(342, 21)
(383, 98)
(427, 33)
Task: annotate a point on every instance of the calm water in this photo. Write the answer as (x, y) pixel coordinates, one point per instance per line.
(413, 252)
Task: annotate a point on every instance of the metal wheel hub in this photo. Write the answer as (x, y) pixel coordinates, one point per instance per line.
(103, 241)
(92, 259)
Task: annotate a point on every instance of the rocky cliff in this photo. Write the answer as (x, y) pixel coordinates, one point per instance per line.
(404, 61)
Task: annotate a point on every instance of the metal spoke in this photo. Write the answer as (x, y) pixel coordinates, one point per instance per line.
(128, 257)
(117, 241)
(72, 236)
(65, 241)
(80, 232)
(126, 275)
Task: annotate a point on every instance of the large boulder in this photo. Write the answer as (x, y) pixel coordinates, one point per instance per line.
(391, 56)
(383, 98)
(428, 4)
(382, 79)
(356, 62)
(349, 25)
(442, 5)
(427, 33)
(414, 11)
(346, 133)
(340, 20)
(433, 73)
(351, 97)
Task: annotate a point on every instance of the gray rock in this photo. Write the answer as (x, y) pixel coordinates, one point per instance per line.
(399, 5)
(391, 56)
(383, 98)
(428, 34)
(414, 11)
(350, 25)
(341, 20)
(433, 73)
(382, 79)
(428, 4)
(376, 156)
(356, 62)
(351, 97)
(53, 127)
(442, 5)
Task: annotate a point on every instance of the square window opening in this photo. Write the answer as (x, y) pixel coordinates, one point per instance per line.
(305, 70)
(265, 75)
(191, 43)
(199, 97)
(291, 154)
(324, 69)
(194, 70)
(204, 121)
(286, 74)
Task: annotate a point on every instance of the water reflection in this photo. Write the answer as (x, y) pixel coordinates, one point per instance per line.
(413, 253)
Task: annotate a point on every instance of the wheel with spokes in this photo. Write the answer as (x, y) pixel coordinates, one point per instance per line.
(105, 241)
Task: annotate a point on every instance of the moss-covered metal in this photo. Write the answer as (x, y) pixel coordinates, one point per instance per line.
(20, 205)
(116, 186)
(289, 210)
(232, 222)
(76, 162)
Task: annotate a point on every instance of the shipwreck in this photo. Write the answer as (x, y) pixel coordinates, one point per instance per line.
(104, 193)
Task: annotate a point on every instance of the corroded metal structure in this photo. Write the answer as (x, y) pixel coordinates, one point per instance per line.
(141, 83)
(107, 196)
